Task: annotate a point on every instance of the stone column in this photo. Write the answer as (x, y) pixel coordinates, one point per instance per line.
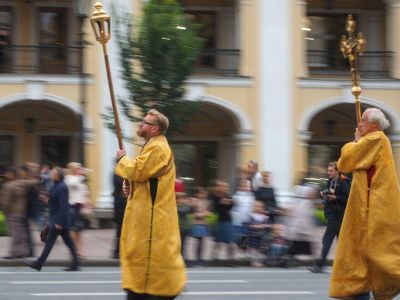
(276, 88)
(395, 141)
(393, 35)
(109, 143)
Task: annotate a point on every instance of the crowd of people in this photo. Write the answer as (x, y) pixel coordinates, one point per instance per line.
(44, 197)
(249, 224)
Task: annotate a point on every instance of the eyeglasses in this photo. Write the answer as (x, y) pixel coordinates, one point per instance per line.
(147, 123)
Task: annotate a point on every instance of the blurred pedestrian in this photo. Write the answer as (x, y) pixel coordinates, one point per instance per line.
(368, 252)
(152, 264)
(34, 207)
(335, 195)
(59, 222)
(223, 204)
(15, 201)
(300, 223)
(78, 198)
(119, 211)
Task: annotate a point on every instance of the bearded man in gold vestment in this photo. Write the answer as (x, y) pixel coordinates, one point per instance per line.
(150, 250)
(368, 252)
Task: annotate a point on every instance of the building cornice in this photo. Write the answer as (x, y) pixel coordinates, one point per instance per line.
(228, 82)
(45, 79)
(319, 83)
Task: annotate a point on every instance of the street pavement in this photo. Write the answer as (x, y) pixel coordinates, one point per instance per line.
(98, 245)
(17, 283)
(100, 283)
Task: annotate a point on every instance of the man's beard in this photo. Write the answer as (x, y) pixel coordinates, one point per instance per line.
(139, 132)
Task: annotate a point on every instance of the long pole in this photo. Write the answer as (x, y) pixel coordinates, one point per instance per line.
(113, 102)
(82, 91)
(100, 21)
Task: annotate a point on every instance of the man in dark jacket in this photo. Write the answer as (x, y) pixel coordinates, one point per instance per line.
(59, 222)
(335, 195)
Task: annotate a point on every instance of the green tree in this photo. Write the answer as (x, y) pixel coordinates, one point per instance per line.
(157, 55)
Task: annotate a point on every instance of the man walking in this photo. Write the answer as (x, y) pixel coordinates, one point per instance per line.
(368, 252)
(152, 265)
(335, 195)
(59, 222)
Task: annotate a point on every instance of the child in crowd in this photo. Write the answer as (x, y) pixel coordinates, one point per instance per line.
(199, 223)
(258, 233)
(279, 245)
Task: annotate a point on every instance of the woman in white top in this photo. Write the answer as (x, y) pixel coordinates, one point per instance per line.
(78, 197)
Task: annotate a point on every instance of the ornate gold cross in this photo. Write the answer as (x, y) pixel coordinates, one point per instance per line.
(352, 46)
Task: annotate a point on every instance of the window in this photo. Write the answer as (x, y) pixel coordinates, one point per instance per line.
(207, 21)
(55, 150)
(6, 150)
(323, 39)
(53, 40)
(6, 25)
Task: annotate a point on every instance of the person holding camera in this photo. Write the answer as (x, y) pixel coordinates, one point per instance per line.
(335, 195)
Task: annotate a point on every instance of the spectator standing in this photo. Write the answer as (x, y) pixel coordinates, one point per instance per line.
(119, 210)
(78, 198)
(223, 204)
(184, 205)
(258, 233)
(199, 226)
(266, 194)
(254, 175)
(243, 201)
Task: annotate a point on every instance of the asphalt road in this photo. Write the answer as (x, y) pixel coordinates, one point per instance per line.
(103, 283)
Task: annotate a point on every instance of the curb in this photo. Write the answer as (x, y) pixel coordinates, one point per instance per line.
(108, 262)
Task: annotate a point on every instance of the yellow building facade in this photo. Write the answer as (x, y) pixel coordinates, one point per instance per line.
(271, 82)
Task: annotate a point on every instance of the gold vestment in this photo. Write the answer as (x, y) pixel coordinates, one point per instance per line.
(368, 251)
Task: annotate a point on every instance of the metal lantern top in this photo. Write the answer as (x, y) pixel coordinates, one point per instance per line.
(100, 21)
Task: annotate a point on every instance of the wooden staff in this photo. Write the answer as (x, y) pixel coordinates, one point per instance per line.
(100, 21)
(352, 47)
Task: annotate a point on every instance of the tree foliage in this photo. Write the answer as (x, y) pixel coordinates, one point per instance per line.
(157, 55)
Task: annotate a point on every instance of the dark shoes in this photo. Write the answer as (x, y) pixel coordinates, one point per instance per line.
(72, 269)
(33, 265)
(315, 269)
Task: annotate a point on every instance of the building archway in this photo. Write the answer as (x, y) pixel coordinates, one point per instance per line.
(209, 146)
(330, 128)
(43, 131)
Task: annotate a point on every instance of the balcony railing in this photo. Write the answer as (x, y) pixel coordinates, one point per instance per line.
(17, 59)
(373, 64)
(218, 61)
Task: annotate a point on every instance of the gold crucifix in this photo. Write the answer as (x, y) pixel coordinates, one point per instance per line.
(352, 46)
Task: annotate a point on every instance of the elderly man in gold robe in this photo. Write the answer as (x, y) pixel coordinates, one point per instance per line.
(152, 265)
(368, 252)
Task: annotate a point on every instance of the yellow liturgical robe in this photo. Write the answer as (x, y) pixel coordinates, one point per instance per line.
(150, 250)
(368, 251)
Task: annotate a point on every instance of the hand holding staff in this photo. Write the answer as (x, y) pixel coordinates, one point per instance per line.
(100, 21)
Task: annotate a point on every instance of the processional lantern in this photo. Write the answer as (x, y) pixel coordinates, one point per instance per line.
(101, 25)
